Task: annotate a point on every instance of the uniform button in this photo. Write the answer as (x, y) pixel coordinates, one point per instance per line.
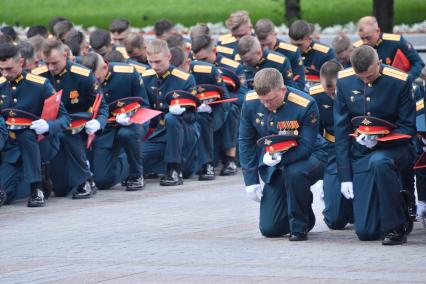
(368, 113)
(58, 81)
(13, 88)
(155, 105)
(15, 100)
(106, 94)
(367, 99)
(370, 85)
(161, 104)
(271, 123)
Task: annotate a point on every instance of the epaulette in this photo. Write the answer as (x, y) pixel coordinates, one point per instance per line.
(320, 48)
(295, 98)
(252, 96)
(123, 51)
(148, 72)
(316, 90)
(180, 74)
(276, 58)
(229, 62)
(393, 37)
(420, 104)
(35, 78)
(40, 70)
(80, 70)
(202, 69)
(224, 49)
(123, 69)
(346, 73)
(358, 43)
(226, 39)
(287, 46)
(395, 73)
(138, 68)
(2, 80)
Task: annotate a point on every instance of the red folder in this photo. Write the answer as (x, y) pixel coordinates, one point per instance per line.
(142, 115)
(421, 162)
(95, 109)
(401, 61)
(50, 109)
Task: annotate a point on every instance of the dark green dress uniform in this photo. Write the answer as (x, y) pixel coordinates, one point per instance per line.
(286, 203)
(338, 210)
(227, 46)
(110, 166)
(293, 54)
(70, 168)
(172, 138)
(207, 74)
(387, 46)
(419, 96)
(271, 59)
(378, 206)
(313, 58)
(21, 156)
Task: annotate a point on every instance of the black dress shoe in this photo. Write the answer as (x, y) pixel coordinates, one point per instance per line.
(171, 178)
(134, 184)
(3, 197)
(229, 169)
(396, 237)
(295, 237)
(207, 173)
(83, 191)
(150, 176)
(37, 198)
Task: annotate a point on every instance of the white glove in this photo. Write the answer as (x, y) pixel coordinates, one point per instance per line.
(176, 109)
(421, 209)
(360, 139)
(254, 192)
(424, 143)
(370, 140)
(346, 188)
(92, 126)
(40, 126)
(123, 119)
(269, 161)
(319, 185)
(204, 108)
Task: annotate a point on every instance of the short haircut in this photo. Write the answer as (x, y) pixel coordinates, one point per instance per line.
(26, 50)
(367, 22)
(37, 30)
(175, 40)
(115, 56)
(299, 30)
(329, 71)
(100, 40)
(248, 43)
(8, 50)
(61, 28)
(5, 38)
(199, 30)
(162, 26)
(157, 46)
(237, 19)
(74, 39)
(10, 31)
(53, 21)
(363, 57)
(178, 56)
(50, 44)
(37, 42)
(119, 25)
(266, 80)
(92, 61)
(263, 28)
(133, 41)
(341, 43)
(201, 42)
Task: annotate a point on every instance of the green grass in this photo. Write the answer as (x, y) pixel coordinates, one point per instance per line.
(146, 12)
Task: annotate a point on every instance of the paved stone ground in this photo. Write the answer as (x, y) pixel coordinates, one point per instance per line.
(202, 232)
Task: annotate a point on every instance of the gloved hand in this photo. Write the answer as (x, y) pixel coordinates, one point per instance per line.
(346, 188)
(254, 192)
(176, 109)
(424, 143)
(319, 185)
(421, 209)
(360, 139)
(92, 126)
(123, 119)
(370, 140)
(40, 126)
(204, 108)
(269, 161)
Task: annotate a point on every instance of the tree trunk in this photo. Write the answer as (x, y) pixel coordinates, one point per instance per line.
(292, 11)
(383, 11)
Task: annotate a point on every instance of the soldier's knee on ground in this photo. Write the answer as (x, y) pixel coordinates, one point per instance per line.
(365, 235)
(274, 229)
(336, 224)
